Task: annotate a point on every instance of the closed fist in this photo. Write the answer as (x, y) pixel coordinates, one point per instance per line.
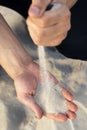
(50, 27)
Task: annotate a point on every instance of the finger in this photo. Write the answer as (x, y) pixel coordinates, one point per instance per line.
(58, 40)
(72, 106)
(31, 104)
(38, 7)
(52, 17)
(55, 42)
(71, 115)
(51, 77)
(56, 117)
(67, 95)
(48, 34)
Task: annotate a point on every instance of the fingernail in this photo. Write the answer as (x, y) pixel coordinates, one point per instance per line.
(34, 11)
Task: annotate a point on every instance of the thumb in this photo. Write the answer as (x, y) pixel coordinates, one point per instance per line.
(38, 7)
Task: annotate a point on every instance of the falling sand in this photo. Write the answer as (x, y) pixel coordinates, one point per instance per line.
(47, 90)
(48, 94)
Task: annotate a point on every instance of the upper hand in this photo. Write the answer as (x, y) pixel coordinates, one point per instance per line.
(48, 28)
(26, 84)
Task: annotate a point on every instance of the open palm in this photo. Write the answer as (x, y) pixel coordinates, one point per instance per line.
(26, 84)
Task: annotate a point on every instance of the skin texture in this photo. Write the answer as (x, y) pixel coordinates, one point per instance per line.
(49, 28)
(24, 72)
(26, 85)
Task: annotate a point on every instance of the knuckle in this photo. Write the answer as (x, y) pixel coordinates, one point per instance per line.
(61, 37)
(65, 35)
(43, 22)
(37, 41)
(67, 14)
(41, 34)
(68, 27)
(55, 43)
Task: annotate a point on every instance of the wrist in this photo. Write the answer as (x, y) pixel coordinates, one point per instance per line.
(13, 57)
(24, 69)
(14, 63)
(31, 68)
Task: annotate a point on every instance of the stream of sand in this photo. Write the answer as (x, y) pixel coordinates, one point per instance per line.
(49, 102)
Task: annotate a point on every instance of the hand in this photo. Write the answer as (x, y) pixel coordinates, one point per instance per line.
(48, 28)
(26, 84)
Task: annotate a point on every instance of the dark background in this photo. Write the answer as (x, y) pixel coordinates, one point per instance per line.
(75, 45)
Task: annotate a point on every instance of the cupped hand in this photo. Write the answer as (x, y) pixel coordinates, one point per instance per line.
(26, 85)
(48, 28)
